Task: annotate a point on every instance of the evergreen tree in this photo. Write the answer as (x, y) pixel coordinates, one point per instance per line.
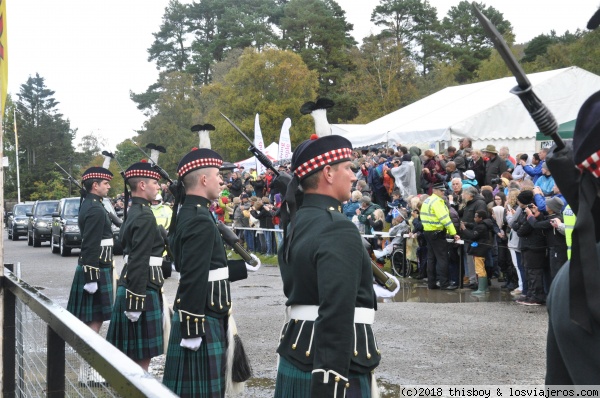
(45, 136)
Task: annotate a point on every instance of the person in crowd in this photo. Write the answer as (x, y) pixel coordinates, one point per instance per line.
(417, 232)
(352, 205)
(512, 213)
(519, 173)
(433, 173)
(535, 169)
(260, 186)
(366, 209)
(404, 175)
(364, 188)
(478, 166)
(161, 211)
(436, 224)
(375, 180)
(168, 198)
(473, 201)
(469, 180)
(509, 160)
(91, 295)
(415, 157)
(555, 241)
(478, 241)
(260, 213)
(235, 185)
(328, 283)
(455, 196)
(501, 232)
(495, 166)
(395, 205)
(248, 233)
(533, 249)
(451, 173)
(545, 182)
(376, 223)
(464, 144)
(136, 325)
(453, 156)
(197, 357)
(249, 190)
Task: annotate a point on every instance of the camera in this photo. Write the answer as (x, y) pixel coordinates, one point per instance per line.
(495, 180)
(530, 206)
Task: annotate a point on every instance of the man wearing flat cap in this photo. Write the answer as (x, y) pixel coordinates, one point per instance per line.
(197, 350)
(327, 347)
(91, 296)
(136, 326)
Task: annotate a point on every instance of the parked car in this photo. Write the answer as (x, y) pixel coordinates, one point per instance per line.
(17, 220)
(65, 230)
(40, 222)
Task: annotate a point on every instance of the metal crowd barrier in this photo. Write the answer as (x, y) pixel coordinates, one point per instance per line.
(45, 348)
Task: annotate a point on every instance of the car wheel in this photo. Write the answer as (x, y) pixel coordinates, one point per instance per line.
(13, 234)
(64, 251)
(29, 239)
(53, 246)
(36, 242)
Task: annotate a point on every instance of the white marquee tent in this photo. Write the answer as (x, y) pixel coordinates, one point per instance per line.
(486, 112)
(272, 152)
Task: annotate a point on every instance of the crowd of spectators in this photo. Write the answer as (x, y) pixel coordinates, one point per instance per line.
(507, 210)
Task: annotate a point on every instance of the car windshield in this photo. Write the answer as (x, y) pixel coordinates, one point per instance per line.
(46, 209)
(21, 210)
(71, 208)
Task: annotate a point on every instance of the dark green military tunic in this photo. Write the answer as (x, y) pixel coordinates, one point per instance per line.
(201, 306)
(327, 267)
(95, 263)
(140, 285)
(573, 355)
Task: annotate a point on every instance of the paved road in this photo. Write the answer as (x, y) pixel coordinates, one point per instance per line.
(422, 343)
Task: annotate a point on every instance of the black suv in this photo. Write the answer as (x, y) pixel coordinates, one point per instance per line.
(40, 221)
(65, 230)
(17, 220)
(65, 227)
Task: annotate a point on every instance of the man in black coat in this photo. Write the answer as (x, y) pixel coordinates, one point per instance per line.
(473, 201)
(495, 166)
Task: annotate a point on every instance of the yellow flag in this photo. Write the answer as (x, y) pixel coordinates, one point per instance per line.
(3, 55)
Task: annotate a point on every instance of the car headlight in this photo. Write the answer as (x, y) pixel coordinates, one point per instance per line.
(71, 228)
(41, 224)
(21, 222)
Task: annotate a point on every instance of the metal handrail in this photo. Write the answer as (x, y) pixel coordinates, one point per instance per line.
(122, 374)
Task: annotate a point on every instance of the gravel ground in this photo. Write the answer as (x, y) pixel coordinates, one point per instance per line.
(422, 343)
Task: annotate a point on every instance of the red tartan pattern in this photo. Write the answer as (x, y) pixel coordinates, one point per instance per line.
(199, 163)
(591, 164)
(101, 176)
(322, 160)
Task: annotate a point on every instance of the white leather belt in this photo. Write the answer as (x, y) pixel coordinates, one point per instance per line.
(107, 242)
(218, 274)
(154, 261)
(310, 313)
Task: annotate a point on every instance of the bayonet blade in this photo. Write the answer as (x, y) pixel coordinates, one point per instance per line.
(238, 129)
(502, 48)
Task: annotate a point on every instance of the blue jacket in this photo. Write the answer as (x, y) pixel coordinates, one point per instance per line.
(350, 208)
(534, 172)
(546, 184)
(540, 201)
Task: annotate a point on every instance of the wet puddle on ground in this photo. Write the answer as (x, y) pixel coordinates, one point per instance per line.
(413, 290)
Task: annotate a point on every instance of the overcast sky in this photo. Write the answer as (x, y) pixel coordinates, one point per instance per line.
(92, 53)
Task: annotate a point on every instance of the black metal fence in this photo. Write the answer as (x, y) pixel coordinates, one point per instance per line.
(49, 352)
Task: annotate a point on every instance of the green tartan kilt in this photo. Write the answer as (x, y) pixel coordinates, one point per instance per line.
(141, 339)
(95, 307)
(294, 383)
(197, 373)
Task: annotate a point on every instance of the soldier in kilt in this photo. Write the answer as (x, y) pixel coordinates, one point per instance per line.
(136, 325)
(327, 346)
(197, 350)
(91, 296)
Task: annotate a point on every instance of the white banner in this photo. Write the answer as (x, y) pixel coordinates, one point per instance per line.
(285, 144)
(258, 143)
